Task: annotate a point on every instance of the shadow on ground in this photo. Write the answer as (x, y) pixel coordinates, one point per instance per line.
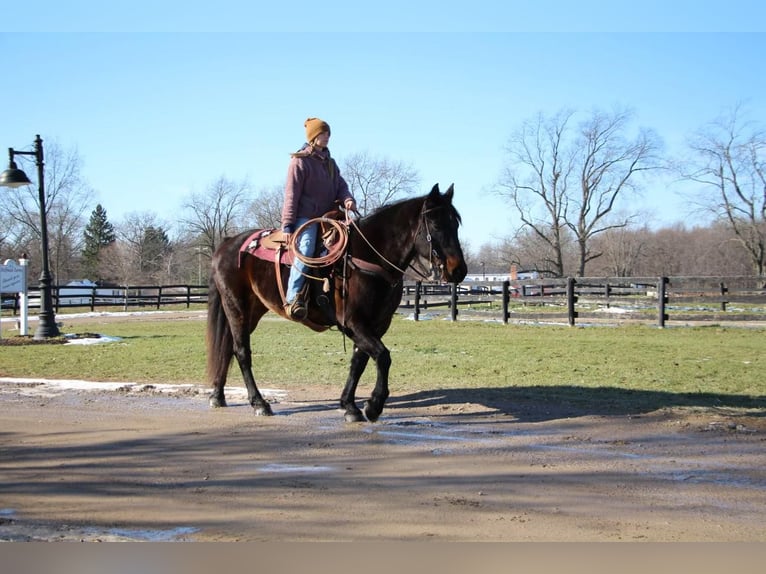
(541, 403)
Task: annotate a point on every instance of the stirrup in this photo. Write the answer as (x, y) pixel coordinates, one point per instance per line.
(297, 309)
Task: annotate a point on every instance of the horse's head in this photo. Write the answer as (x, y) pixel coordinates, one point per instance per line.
(437, 247)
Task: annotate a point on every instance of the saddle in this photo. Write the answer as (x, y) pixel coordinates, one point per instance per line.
(270, 245)
(264, 243)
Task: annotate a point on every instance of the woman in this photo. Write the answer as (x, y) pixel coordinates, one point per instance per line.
(314, 187)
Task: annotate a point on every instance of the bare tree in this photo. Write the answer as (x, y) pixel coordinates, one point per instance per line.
(559, 178)
(265, 211)
(375, 181)
(623, 249)
(66, 199)
(216, 213)
(119, 263)
(608, 166)
(145, 247)
(729, 163)
(535, 180)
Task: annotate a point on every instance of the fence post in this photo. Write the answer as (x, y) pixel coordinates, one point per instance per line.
(571, 300)
(453, 301)
(93, 298)
(416, 313)
(724, 291)
(159, 296)
(506, 300)
(662, 299)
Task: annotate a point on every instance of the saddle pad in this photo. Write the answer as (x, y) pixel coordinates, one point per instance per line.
(263, 244)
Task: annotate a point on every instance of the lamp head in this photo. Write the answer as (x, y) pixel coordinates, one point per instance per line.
(13, 177)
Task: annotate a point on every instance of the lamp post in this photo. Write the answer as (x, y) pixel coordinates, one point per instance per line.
(14, 177)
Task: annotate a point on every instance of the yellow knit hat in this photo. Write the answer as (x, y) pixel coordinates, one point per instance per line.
(314, 127)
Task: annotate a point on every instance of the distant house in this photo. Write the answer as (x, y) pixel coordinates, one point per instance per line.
(80, 293)
(497, 277)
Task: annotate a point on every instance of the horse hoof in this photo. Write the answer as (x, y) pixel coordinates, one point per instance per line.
(371, 414)
(353, 417)
(263, 410)
(216, 402)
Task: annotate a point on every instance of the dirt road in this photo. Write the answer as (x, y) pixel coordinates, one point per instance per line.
(143, 463)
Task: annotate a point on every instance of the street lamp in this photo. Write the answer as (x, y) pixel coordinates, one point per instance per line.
(14, 177)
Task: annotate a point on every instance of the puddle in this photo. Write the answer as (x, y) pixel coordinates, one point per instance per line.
(424, 431)
(294, 468)
(15, 529)
(141, 535)
(589, 451)
(717, 477)
(410, 437)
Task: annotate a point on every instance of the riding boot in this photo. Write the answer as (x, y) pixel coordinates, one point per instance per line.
(298, 310)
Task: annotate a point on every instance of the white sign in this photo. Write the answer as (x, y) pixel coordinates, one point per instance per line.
(11, 277)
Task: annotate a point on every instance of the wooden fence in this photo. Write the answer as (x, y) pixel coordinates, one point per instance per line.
(91, 297)
(647, 299)
(644, 299)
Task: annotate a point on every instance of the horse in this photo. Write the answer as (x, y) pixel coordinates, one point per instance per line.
(366, 285)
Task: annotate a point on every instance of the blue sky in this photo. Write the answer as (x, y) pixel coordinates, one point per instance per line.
(157, 112)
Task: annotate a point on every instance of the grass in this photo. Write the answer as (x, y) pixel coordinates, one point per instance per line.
(631, 362)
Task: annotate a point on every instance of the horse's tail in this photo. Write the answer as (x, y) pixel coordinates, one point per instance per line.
(218, 338)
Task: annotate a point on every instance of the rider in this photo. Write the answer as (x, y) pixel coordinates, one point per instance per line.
(314, 187)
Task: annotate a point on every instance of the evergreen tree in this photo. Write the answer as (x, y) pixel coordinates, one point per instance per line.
(155, 247)
(99, 233)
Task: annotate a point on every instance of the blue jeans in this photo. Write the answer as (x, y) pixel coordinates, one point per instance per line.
(306, 244)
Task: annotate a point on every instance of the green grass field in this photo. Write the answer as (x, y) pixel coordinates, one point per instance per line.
(716, 363)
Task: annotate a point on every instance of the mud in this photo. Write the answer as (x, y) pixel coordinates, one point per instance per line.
(90, 462)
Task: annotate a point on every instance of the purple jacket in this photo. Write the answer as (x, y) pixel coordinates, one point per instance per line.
(313, 187)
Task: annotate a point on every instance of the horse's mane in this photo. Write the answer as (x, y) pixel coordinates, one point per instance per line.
(383, 210)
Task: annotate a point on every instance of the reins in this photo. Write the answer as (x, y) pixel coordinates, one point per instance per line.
(421, 222)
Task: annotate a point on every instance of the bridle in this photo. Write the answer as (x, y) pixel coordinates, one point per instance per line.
(422, 226)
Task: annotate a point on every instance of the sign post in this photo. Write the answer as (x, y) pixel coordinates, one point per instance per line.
(13, 279)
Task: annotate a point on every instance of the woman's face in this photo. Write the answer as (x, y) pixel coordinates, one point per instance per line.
(322, 139)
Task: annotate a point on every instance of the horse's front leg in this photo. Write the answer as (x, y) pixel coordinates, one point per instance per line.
(374, 406)
(359, 361)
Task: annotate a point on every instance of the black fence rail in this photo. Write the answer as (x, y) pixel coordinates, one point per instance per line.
(91, 297)
(648, 299)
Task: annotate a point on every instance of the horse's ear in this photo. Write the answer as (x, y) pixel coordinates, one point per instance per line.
(434, 192)
(450, 192)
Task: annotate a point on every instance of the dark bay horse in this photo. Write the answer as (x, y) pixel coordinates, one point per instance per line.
(421, 233)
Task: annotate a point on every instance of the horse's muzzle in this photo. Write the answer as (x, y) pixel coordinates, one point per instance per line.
(454, 270)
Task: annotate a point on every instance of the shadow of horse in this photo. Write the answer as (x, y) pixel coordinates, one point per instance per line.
(544, 403)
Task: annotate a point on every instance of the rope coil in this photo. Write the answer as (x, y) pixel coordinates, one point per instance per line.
(335, 240)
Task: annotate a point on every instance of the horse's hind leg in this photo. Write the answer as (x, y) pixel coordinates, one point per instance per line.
(359, 361)
(243, 353)
(232, 315)
(220, 371)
